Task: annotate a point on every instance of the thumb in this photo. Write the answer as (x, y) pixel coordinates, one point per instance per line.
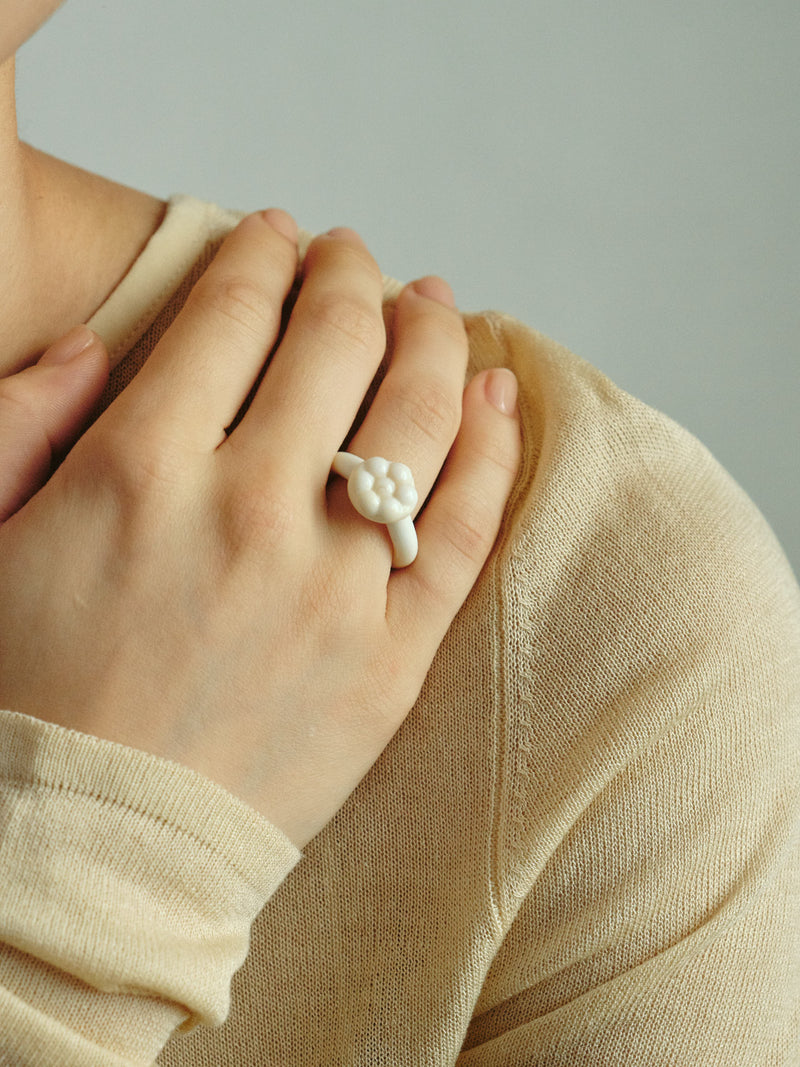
(43, 410)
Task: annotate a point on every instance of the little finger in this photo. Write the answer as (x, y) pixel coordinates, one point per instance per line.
(460, 524)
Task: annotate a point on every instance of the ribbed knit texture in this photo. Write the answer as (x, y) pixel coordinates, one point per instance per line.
(582, 848)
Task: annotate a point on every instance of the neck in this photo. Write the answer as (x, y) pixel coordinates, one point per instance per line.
(67, 238)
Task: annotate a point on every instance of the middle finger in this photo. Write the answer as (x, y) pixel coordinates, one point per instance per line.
(332, 348)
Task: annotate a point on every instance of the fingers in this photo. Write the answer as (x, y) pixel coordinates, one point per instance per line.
(332, 348)
(200, 373)
(42, 411)
(417, 411)
(460, 523)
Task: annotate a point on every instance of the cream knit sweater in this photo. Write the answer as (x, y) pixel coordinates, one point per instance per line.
(580, 849)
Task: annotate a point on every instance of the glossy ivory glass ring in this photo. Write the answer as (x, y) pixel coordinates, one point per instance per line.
(383, 492)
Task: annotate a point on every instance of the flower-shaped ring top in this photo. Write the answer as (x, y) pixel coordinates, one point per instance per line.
(383, 492)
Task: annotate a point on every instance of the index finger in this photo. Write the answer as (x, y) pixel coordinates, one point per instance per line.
(200, 372)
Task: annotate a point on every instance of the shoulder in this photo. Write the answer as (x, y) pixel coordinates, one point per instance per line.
(646, 608)
(611, 485)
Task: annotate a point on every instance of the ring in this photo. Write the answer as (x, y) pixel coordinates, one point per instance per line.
(383, 491)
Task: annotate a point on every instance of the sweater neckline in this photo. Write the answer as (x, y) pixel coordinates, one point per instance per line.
(188, 226)
(154, 277)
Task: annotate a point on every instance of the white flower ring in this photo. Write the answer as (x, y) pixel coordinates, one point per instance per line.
(383, 491)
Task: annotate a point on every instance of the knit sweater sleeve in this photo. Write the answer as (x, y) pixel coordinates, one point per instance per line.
(647, 846)
(128, 885)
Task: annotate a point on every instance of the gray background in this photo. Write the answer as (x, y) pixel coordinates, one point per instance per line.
(621, 175)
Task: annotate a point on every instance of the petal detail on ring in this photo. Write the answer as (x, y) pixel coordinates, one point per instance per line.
(377, 466)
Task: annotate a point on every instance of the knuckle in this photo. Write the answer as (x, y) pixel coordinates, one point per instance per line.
(503, 453)
(241, 302)
(137, 466)
(432, 410)
(364, 260)
(349, 322)
(446, 322)
(470, 531)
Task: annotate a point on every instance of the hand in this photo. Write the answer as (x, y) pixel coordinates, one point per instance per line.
(42, 411)
(210, 597)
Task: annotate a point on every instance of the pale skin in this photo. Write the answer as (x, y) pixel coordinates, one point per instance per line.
(214, 598)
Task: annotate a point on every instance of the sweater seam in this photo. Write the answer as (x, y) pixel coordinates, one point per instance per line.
(500, 752)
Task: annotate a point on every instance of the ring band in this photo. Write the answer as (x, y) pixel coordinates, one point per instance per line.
(383, 491)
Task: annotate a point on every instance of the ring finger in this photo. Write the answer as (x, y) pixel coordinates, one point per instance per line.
(416, 412)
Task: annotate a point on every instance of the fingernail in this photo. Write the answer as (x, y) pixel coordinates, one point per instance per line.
(345, 233)
(281, 221)
(67, 347)
(435, 288)
(501, 390)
